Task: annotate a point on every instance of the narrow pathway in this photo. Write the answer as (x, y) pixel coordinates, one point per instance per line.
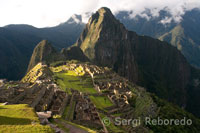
(57, 130)
(72, 129)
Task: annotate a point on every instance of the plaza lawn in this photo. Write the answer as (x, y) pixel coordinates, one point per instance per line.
(20, 118)
(101, 102)
(70, 79)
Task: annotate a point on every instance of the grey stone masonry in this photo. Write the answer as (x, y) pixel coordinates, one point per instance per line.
(39, 97)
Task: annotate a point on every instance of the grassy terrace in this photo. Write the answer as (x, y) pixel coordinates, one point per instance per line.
(101, 102)
(20, 118)
(32, 75)
(69, 112)
(111, 127)
(76, 79)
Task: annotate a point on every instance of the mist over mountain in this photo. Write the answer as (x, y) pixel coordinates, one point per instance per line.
(184, 34)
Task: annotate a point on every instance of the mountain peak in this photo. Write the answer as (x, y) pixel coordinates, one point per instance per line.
(103, 14)
(104, 10)
(43, 52)
(44, 42)
(75, 19)
(102, 26)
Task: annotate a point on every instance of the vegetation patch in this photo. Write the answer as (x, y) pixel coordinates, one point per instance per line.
(66, 112)
(101, 102)
(73, 79)
(111, 127)
(142, 104)
(60, 126)
(20, 118)
(70, 111)
(33, 74)
(170, 111)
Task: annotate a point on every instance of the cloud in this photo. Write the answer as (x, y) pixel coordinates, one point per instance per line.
(43, 13)
(176, 8)
(167, 20)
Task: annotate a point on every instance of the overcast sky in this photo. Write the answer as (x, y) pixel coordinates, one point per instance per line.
(43, 13)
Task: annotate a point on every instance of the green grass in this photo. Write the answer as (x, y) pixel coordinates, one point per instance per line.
(17, 114)
(33, 74)
(75, 79)
(66, 112)
(143, 101)
(70, 111)
(71, 80)
(170, 111)
(25, 129)
(111, 127)
(20, 118)
(101, 102)
(60, 126)
(117, 115)
(142, 104)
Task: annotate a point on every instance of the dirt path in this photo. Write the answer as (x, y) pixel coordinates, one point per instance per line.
(56, 128)
(72, 129)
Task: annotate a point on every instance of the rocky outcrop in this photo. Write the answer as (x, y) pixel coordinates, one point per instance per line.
(44, 52)
(74, 53)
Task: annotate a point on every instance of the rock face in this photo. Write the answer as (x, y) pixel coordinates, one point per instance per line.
(105, 42)
(74, 53)
(149, 62)
(44, 52)
(185, 42)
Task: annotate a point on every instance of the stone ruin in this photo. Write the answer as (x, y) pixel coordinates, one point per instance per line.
(85, 112)
(37, 96)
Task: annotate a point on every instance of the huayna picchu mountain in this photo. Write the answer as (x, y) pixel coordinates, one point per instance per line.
(154, 64)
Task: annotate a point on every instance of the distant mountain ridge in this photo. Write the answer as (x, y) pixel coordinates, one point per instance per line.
(23, 38)
(18, 41)
(183, 35)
